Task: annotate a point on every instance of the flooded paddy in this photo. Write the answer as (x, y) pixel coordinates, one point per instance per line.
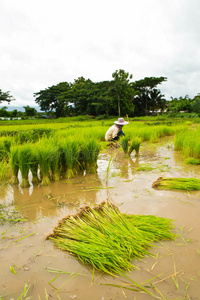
(32, 267)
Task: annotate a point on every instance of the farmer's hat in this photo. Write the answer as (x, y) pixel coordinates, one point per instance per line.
(121, 122)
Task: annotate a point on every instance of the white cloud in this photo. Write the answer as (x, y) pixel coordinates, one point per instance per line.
(46, 42)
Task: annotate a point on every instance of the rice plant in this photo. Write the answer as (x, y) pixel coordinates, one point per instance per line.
(88, 155)
(188, 184)
(70, 149)
(107, 239)
(192, 161)
(14, 160)
(44, 150)
(5, 144)
(124, 142)
(25, 158)
(135, 145)
(5, 170)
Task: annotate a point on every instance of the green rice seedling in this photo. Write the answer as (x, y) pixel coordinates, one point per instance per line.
(135, 145)
(34, 164)
(107, 239)
(188, 184)
(5, 170)
(69, 151)
(192, 161)
(45, 150)
(14, 160)
(5, 144)
(25, 158)
(124, 142)
(88, 154)
(54, 163)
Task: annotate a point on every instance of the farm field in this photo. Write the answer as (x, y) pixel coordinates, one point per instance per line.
(33, 268)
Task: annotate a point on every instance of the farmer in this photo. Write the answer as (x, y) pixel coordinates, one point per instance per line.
(115, 131)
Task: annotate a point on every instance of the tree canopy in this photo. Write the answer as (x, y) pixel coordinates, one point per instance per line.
(5, 96)
(120, 96)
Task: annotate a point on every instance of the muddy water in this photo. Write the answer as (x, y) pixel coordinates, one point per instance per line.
(176, 265)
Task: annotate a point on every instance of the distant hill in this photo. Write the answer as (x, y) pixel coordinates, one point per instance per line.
(19, 108)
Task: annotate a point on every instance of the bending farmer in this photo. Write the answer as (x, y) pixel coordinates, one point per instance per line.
(115, 131)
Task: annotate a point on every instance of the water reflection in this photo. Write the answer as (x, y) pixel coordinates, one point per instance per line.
(45, 201)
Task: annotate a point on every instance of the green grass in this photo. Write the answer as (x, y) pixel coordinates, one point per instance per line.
(109, 240)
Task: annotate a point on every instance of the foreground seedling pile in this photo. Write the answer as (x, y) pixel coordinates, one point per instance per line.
(188, 184)
(109, 240)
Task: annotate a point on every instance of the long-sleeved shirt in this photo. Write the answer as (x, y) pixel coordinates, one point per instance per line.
(112, 132)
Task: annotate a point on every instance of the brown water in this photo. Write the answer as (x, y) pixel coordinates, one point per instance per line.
(176, 264)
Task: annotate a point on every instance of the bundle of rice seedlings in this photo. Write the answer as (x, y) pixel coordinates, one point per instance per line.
(44, 150)
(34, 164)
(124, 143)
(135, 145)
(107, 239)
(188, 184)
(88, 154)
(14, 160)
(5, 144)
(54, 164)
(4, 169)
(70, 150)
(25, 157)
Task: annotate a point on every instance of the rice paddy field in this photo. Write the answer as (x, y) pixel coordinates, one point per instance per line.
(142, 240)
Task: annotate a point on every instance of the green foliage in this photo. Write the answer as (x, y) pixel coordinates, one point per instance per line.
(192, 161)
(5, 96)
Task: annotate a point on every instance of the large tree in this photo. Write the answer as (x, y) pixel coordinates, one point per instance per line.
(54, 98)
(145, 89)
(122, 92)
(5, 96)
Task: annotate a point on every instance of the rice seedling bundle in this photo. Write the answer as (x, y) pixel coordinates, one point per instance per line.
(25, 158)
(188, 184)
(5, 144)
(70, 148)
(124, 142)
(14, 160)
(135, 145)
(5, 169)
(45, 150)
(107, 239)
(88, 154)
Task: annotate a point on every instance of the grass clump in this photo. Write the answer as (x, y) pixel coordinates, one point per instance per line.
(14, 160)
(188, 184)
(25, 158)
(107, 239)
(192, 161)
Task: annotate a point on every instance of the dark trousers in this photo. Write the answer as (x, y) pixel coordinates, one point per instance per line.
(121, 133)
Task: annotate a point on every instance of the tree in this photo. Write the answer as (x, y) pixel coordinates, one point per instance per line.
(122, 91)
(195, 105)
(180, 104)
(4, 112)
(144, 88)
(5, 96)
(54, 98)
(30, 111)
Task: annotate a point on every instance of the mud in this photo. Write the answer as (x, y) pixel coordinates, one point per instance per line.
(128, 183)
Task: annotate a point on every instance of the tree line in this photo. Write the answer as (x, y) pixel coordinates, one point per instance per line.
(118, 97)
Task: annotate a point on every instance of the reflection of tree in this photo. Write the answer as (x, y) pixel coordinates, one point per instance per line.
(47, 200)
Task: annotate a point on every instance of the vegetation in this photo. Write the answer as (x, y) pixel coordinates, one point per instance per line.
(188, 184)
(108, 239)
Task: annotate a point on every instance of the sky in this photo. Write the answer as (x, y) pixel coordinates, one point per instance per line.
(45, 42)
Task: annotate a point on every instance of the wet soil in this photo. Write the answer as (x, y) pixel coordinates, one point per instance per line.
(53, 274)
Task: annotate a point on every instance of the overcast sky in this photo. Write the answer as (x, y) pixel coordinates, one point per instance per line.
(44, 42)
